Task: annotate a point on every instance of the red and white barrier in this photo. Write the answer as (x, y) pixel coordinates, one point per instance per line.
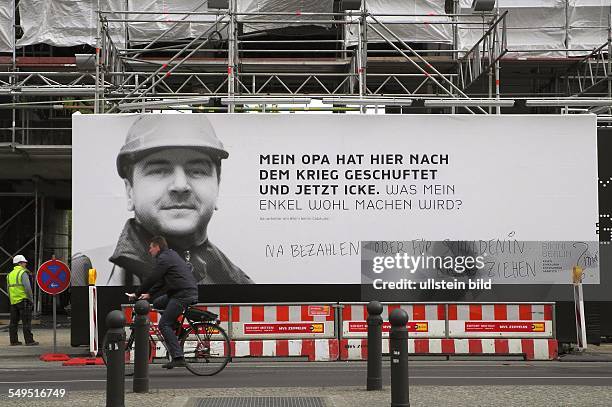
(282, 321)
(500, 312)
(500, 321)
(93, 320)
(285, 322)
(424, 320)
(313, 349)
(309, 330)
(531, 349)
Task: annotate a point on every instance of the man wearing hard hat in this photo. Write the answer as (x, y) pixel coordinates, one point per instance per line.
(20, 296)
(172, 169)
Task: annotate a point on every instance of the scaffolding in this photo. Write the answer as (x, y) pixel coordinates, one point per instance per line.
(274, 68)
(237, 61)
(29, 239)
(331, 69)
(226, 61)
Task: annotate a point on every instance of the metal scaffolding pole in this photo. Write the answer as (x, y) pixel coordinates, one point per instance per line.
(455, 19)
(98, 47)
(362, 56)
(232, 44)
(37, 300)
(496, 59)
(566, 40)
(609, 73)
(490, 71)
(14, 68)
(41, 244)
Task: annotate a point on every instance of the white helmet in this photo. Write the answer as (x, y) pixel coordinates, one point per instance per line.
(19, 259)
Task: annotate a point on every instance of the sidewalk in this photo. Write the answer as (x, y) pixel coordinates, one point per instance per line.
(420, 396)
(594, 353)
(45, 338)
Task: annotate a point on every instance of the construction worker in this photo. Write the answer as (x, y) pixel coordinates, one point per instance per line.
(20, 295)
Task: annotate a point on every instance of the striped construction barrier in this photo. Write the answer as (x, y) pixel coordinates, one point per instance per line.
(357, 349)
(313, 321)
(270, 330)
(424, 320)
(313, 349)
(310, 330)
(500, 321)
(94, 345)
(530, 349)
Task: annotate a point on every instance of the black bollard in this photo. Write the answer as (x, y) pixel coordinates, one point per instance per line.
(398, 347)
(141, 347)
(115, 359)
(375, 322)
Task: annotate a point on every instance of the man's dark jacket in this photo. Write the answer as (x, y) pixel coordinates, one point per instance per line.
(171, 276)
(210, 265)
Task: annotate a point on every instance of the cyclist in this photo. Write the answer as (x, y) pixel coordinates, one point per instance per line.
(172, 276)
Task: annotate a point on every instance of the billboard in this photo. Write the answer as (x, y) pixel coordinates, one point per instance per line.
(309, 199)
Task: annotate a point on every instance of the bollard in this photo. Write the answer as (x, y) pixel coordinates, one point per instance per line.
(398, 347)
(141, 347)
(375, 321)
(115, 359)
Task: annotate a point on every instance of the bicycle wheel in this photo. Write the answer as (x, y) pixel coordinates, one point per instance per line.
(206, 348)
(129, 354)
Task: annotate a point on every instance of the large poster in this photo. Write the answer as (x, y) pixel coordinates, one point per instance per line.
(293, 199)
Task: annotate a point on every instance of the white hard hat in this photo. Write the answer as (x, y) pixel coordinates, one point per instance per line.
(19, 259)
(154, 132)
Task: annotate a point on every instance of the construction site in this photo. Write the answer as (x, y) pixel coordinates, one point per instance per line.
(347, 57)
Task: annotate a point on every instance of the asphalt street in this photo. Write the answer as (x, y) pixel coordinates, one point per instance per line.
(313, 374)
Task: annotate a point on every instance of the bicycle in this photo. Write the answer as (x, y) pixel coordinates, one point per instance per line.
(205, 344)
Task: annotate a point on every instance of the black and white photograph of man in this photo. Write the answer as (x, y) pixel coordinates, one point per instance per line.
(171, 168)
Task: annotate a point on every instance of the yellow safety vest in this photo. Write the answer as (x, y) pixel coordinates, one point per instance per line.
(16, 289)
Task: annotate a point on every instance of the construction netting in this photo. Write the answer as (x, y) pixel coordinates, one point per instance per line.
(535, 28)
(543, 28)
(164, 25)
(295, 8)
(420, 21)
(6, 23)
(588, 22)
(65, 23)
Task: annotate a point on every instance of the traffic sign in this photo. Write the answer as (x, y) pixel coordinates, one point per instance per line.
(53, 277)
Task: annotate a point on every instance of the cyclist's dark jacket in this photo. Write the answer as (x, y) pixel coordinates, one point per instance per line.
(210, 264)
(172, 276)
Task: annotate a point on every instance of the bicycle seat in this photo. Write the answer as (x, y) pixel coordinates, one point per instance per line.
(195, 314)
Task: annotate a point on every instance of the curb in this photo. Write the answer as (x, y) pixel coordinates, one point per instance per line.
(83, 362)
